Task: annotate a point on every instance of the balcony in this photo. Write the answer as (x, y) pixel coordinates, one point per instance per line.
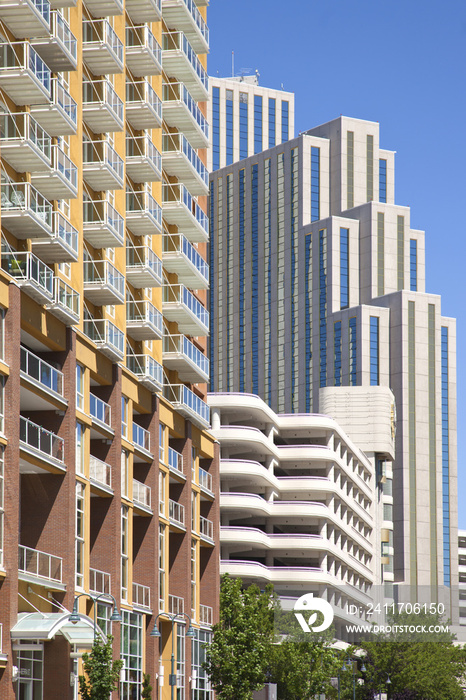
(40, 443)
(188, 404)
(40, 374)
(59, 116)
(206, 530)
(141, 596)
(176, 514)
(66, 303)
(106, 336)
(26, 18)
(99, 581)
(141, 11)
(181, 63)
(100, 476)
(102, 49)
(141, 438)
(181, 209)
(143, 214)
(34, 564)
(148, 371)
(182, 307)
(175, 604)
(143, 52)
(24, 211)
(180, 160)
(100, 412)
(143, 321)
(102, 108)
(59, 49)
(103, 226)
(143, 161)
(206, 615)
(182, 355)
(23, 75)
(181, 258)
(175, 462)
(205, 481)
(102, 166)
(62, 246)
(62, 181)
(31, 274)
(25, 144)
(181, 112)
(143, 267)
(184, 15)
(143, 105)
(103, 284)
(142, 495)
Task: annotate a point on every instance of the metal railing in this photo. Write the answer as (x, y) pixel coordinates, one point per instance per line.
(100, 471)
(142, 91)
(144, 312)
(102, 272)
(145, 365)
(99, 581)
(141, 595)
(178, 143)
(22, 55)
(100, 410)
(41, 371)
(181, 345)
(142, 37)
(180, 244)
(143, 146)
(102, 212)
(177, 41)
(178, 92)
(184, 398)
(205, 480)
(180, 194)
(40, 564)
(179, 294)
(206, 528)
(142, 202)
(27, 268)
(141, 437)
(175, 604)
(176, 512)
(24, 197)
(141, 494)
(102, 92)
(60, 29)
(102, 152)
(65, 231)
(22, 126)
(175, 460)
(104, 332)
(206, 615)
(100, 31)
(66, 297)
(62, 98)
(39, 438)
(143, 256)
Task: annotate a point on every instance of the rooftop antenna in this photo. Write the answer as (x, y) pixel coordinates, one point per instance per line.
(232, 64)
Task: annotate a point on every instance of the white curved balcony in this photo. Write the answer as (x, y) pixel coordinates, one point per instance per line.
(26, 18)
(143, 160)
(59, 49)
(23, 74)
(143, 213)
(143, 52)
(181, 209)
(180, 110)
(143, 267)
(298, 575)
(59, 116)
(144, 10)
(143, 105)
(103, 168)
(61, 182)
(180, 257)
(103, 110)
(26, 146)
(246, 439)
(103, 226)
(180, 62)
(180, 160)
(184, 15)
(252, 537)
(102, 49)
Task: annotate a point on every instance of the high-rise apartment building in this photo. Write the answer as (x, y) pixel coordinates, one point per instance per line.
(246, 118)
(108, 473)
(304, 507)
(318, 280)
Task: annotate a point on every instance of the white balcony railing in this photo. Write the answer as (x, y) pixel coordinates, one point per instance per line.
(143, 105)
(148, 371)
(206, 615)
(25, 212)
(144, 321)
(182, 258)
(180, 208)
(141, 437)
(205, 480)
(175, 461)
(184, 15)
(143, 51)
(143, 214)
(103, 109)
(26, 146)
(141, 596)
(180, 110)
(180, 61)
(143, 160)
(188, 404)
(26, 19)
(103, 226)
(99, 581)
(60, 49)
(66, 302)
(31, 274)
(108, 338)
(41, 372)
(103, 283)
(39, 564)
(176, 512)
(40, 439)
(102, 49)
(100, 471)
(206, 528)
(103, 168)
(63, 245)
(59, 116)
(180, 159)
(23, 74)
(141, 494)
(62, 181)
(181, 306)
(180, 354)
(175, 604)
(100, 411)
(143, 267)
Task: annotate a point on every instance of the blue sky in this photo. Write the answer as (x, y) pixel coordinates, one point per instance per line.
(400, 63)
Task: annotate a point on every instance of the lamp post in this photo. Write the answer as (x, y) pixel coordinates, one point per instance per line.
(75, 617)
(155, 632)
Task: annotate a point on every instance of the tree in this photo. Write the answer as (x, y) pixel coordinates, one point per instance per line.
(237, 660)
(102, 674)
(146, 687)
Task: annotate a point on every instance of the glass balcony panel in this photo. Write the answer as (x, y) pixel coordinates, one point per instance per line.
(26, 19)
(143, 160)
(188, 404)
(38, 439)
(41, 372)
(59, 49)
(99, 581)
(143, 105)
(180, 354)
(59, 117)
(62, 246)
(25, 144)
(62, 181)
(143, 52)
(143, 213)
(181, 209)
(206, 615)
(206, 529)
(102, 49)
(103, 283)
(102, 108)
(100, 411)
(181, 306)
(141, 437)
(143, 267)
(184, 15)
(148, 371)
(66, 303)
(106, 336)
(180, 110)
(175, 605)
(144, 10)
(143, 320)
(205, 480)
(31, 274)
(141, 596)
(181, 161)
(23, 74)
(176, 512)
(103, 226)
(180, 257)
(175, 461)
(180, 62)
(39, 564)
(102, 166)
(141, 494)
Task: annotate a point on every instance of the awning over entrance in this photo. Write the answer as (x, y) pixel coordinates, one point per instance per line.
(39, 626)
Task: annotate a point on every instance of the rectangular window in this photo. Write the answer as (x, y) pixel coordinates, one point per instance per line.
(370, 167)
(337, 352)
(308, 306)
(432, 401)
(124, 472)
(162, 567)
(445, 459)
(162, 429)
(2, 334)
(323, 306)
(103, 614)
(2, 503)
(2, 404)
(349, 169)
(229, 126)
(294, 290)
(241, 275)
(243, 125)
(267, 280)
(412, 442)
(124, 417)
(80, 387)
(162, 486)
(180, 661)
(380, 254)
(344, 268)
(374, 351)
(257, 123)
(230, 281)
(202, 689)
(281, 275)
(353, 361)
(80, 503)
(255, 277)
(80, 447)
(400, 223)
(30, 664)
(413, 265)
(272, 113)
(193, 464)
(315, 183)
(382, 180)
(124, 553)
(131, 654)
(285, 121)
(194, 518)
(193, 579)
(215, 128)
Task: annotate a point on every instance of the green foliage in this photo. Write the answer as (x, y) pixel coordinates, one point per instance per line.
(146, 687)
(102, 674)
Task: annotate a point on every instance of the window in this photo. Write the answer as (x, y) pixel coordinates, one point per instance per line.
(315, 183)
(162, 568)
(380, 254)
(103, 614)
(374, 350)
(193, 463)
(2, 334)
(413, 265)
(272, 112)
(243, 125)
(124, 417)
(124, 472)
(30, 673)
(344, 268)
(193, 579)
(323, 305)
(80, 387)
(2, 403)
(229, 126)
(267, 280)
(281, 275)
(370, 167)
(201, 688)
(257, 123)
(337, 352)
(2, 503)
(162, 429)
(349, 169)
(215, 128)
(255, 277)
(131, 654)
(162, 487)
(382, 180)
(124, 552)
(285, 121)
(401, 251)
(80, 447)
(445, 459)
(308, 306)
(80, 504)
(353, 366)
(241, 275)
(194, 518)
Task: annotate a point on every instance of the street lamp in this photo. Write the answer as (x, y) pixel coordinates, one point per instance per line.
(155, 632)
(75, 617)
